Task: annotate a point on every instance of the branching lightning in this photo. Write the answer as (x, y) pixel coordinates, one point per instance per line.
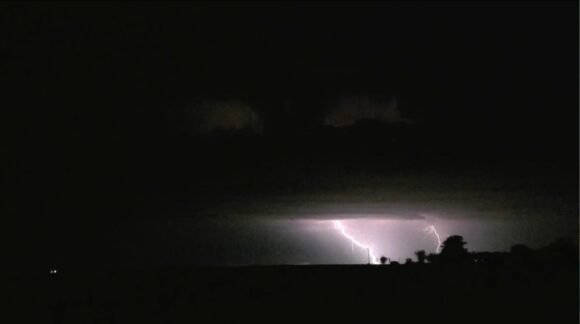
(432, 229)
(338, 225)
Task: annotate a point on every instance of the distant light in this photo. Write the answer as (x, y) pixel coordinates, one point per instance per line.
(53, 271)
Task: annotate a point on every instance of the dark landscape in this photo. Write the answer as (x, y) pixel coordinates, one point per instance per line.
(519, 286)
(411, 293)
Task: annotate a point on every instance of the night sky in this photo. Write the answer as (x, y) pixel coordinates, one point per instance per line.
(232, 133)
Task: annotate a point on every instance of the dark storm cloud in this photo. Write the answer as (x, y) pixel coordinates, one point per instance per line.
(209, 116)
(302, 207)
(404, 198)
(350, 109)
(495, 85)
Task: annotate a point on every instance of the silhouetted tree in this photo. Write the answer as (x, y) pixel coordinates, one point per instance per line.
(408, 261)
(560, 252)
(433, 258)
(383, 260)
(453, 250)
(520, 254)
(421, 256)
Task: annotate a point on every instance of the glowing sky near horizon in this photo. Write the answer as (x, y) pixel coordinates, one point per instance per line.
(312, 239)
(394, 239)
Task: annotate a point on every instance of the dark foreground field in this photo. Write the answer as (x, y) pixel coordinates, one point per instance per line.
(392, 294)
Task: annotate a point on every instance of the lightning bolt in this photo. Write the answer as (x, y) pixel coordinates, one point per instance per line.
(338, 225)
(431, 229)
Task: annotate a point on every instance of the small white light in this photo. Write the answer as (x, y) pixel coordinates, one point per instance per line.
(53, 271)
